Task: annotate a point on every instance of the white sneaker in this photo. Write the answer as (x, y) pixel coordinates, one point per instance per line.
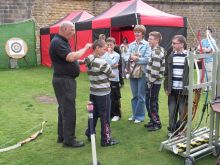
(130, 119)
(115, 118)
(137, 121)
(170, 134)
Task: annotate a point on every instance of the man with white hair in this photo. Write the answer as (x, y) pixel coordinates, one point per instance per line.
(66, 70)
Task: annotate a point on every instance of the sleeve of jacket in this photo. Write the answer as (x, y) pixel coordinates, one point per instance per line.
(162, 68)
(143, 60)
(186, 77)
(165, 83)
(128, 54)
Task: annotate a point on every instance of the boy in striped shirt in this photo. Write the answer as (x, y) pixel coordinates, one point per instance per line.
(99, 72)
(155, 71)
(175, 82)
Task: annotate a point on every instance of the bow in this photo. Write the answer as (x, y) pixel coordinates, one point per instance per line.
(201, 52)
(21, 143)
(214, 48)
(211, 40)
(198, 91)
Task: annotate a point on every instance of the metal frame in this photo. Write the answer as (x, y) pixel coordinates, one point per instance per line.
(214, 122)
(209, 148)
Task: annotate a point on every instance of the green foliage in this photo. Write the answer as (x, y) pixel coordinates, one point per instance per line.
(21, 114)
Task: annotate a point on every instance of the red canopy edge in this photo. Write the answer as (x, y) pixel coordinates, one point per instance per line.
(162, 21)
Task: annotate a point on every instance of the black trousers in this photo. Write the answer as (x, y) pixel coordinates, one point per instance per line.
(102, 110)
(115, 99)
(177, 104)
(151, 102)
(65, 91)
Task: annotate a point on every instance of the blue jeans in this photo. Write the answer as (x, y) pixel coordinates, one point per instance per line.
(138, 100)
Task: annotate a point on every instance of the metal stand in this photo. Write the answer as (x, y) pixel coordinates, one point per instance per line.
(92, 134)
(215, 111)
(26, 61)
(191, 154)
(13, 63)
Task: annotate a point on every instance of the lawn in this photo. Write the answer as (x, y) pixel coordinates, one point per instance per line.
(21, 112)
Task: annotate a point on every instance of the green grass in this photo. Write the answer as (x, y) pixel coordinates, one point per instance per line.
(21, 112)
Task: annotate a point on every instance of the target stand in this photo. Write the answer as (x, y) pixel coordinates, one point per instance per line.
(16, 49)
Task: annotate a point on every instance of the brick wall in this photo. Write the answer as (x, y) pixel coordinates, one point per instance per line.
(15, 10)
(199, 13)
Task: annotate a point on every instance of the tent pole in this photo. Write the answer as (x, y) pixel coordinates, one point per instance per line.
(136, 19)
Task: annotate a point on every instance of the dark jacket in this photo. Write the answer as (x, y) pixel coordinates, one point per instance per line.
(121, 80)
(169, 72)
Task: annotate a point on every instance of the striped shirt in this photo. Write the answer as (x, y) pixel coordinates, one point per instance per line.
(178, 68)
(156, 66)
(98, 71)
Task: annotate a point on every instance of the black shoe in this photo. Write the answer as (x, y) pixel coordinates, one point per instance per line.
(111, 143)
(74, 143)
(88, 136)
(149, 124)
(59, 140)
(154, 128)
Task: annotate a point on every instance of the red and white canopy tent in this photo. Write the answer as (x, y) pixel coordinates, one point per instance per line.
(119, 20)
(47, 33)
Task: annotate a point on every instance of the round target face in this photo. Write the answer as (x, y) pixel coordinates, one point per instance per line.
(16, 47)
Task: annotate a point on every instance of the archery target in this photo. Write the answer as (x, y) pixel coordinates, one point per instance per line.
(16, 48)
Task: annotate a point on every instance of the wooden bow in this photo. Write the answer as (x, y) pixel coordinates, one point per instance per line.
(21, 143)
